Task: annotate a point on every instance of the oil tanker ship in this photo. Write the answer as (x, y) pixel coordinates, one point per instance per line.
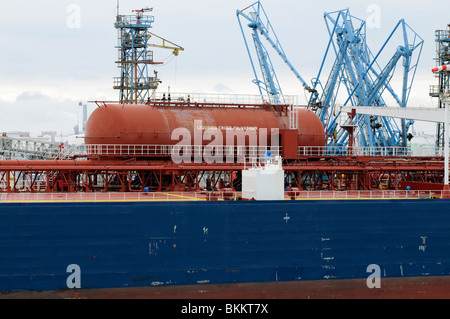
(163, 203)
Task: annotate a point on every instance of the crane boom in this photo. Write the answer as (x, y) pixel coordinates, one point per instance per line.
(259, 22)
(175, 47)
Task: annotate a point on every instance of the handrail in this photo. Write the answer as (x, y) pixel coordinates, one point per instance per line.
(42, 197)
(169, 150)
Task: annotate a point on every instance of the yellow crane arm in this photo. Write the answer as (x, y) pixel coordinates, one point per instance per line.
(175, 47)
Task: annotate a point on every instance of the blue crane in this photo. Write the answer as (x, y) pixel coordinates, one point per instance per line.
(356, 76)
(259, 23)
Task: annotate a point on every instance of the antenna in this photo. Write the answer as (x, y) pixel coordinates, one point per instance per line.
(117, 14)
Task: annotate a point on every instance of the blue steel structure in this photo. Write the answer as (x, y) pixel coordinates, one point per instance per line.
(355, 70)
(259, 23)
(442, 58)
(357, 77)
(135, 84)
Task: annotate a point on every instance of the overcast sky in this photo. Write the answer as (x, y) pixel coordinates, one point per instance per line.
(58, 53)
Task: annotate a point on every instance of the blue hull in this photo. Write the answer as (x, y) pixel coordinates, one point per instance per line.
(138, 244)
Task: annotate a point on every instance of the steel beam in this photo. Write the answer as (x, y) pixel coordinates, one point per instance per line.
(412, 113)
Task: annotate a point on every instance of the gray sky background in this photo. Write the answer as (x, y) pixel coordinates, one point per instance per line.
(47, 66)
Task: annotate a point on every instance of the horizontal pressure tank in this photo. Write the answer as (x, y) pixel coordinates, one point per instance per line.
(159, 125)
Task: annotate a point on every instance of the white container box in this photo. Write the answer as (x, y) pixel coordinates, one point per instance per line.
(264, 182)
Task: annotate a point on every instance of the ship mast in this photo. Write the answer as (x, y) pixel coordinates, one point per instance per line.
(134, 84)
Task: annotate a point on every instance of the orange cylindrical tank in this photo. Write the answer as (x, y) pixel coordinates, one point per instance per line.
(154, 125)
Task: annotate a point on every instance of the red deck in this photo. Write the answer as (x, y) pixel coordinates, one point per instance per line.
(103, 175)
